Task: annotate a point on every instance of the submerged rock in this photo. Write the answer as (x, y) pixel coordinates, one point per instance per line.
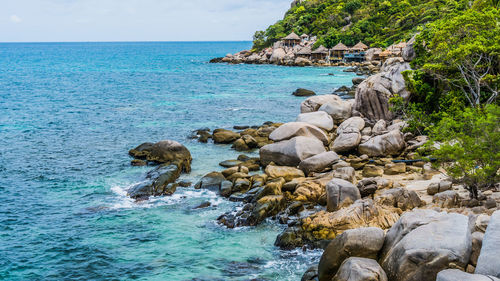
(303, 93)
(158, 182)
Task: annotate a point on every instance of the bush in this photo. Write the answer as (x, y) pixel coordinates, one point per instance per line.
(469, 146)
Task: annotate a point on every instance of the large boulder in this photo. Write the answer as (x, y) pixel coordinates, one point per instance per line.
(164, 152)
(291, 152)
(296, 129)
(211, 181)
(373, 94)
(319, 162)
(361, 242)
(408, 52)
(319, 119)
(340, 192)
(349, 135)
(401, 198)
(314, 103)
(278, 55)
(158, 182)
(391, 143)
(424, 242)
(224, 136)
(489, 262)
(300, 92)
(353, 124)
(287, 173)
(360, 269)
(458, 275)
(338, 109)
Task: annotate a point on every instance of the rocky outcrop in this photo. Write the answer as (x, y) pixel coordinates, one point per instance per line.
(488, 262)
(312, 104)
(391, 143)
(296, 129)
(458, 275)
(424, 242)
(373, 94)
(361, 242)
(349, 135)
(339, 193)
(319, 119)
(164, 152)
(287, 173)
(319, 162)
(211, 181)
(158, 182)
(360, 269)
(224, 136)
(339, 109)
(291, 152)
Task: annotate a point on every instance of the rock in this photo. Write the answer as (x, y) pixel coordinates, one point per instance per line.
(401, 198)
(203, 205)
(291, 152)
(345, 173)
(360, 269)
(158, 182)
(446, 199)
(370, 53)
(288, 173)
(240, 145)
(387, 144)
(238, 169)
(226, 188)
(312, 190)
(482, 222)
(319, 163)
(298, 129)
(302, 62)
(339, 110)
(372, 171)
(395, 168)
(399, 125)
(346, 142)
(357, 80)
(437, 187)
(138, 163)
(361, 242)
(164, 152)
(367, 131)
(373, 94)
(311, 274)
(477, 243)
(488, 262)
(211, 181)
(379, 128)
(312, 104)
(340, 193)
(278, 56)
(224, 136)
(185, 183)
(351, 125)
(367, 187)
(230, 163)
(266, 207)
(319, 119)
(408, 53)
(424, 242)
(303, 93)
(458, 275)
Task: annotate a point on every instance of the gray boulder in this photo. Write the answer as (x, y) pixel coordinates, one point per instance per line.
(314, 103)
(291, 152)
(379, 128)
(408, 52)
(391, 143)
(158, 182)
(477, 243)
(360, 242)
(319, 119)
(340, 192)
(319, 162)
(489, 261)
(296, 129)
(353, 124)
(339, 109)
(346, 142)
(458, 275)
(360, 269)
(300, 92)
(424, 242)
(211, 181)
(278, 55)
(373, 94)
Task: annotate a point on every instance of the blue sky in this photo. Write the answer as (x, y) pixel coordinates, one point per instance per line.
(136, 20)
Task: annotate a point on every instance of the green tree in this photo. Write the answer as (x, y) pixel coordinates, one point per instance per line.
(469, 146)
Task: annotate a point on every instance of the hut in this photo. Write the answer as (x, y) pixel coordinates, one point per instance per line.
(359, 48)
(304, 38)
(291, 40)
(385, 54)
(338, 51)
(320, 53)
(304, 53)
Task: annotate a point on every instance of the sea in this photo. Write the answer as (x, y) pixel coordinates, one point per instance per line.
(69, 113)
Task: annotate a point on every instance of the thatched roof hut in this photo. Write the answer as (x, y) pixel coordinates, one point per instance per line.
(340, 47)
(306, 51)
(303, 36)
(320, 50)
(292, 36)
(360, 47)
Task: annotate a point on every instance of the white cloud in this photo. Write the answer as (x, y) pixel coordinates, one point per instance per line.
(16, 19)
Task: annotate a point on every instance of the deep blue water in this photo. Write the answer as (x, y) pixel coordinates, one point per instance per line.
(69, 112)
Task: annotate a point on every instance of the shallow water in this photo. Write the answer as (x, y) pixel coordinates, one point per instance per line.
(69, 112)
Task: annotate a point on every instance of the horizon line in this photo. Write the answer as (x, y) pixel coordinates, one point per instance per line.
(128, 41)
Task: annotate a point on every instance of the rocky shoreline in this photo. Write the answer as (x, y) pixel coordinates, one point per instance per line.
(345, 178)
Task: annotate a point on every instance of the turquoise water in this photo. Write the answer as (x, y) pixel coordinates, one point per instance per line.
(69, 112)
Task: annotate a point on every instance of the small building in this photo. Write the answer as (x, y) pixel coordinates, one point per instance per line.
(321, 53)
(360, 47)
(356, 53)
(291, 40)
(385, 55)
(304, 53)
(304, 38)
(338, 51)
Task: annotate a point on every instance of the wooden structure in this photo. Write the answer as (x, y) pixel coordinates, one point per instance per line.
(291, 40)
(360, 47)
(320, 53)
(338, 51)
(385, 55)
(304, 38)
(304, 53)
(356, 53)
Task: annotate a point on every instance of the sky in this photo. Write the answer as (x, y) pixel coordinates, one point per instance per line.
(136, 20)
